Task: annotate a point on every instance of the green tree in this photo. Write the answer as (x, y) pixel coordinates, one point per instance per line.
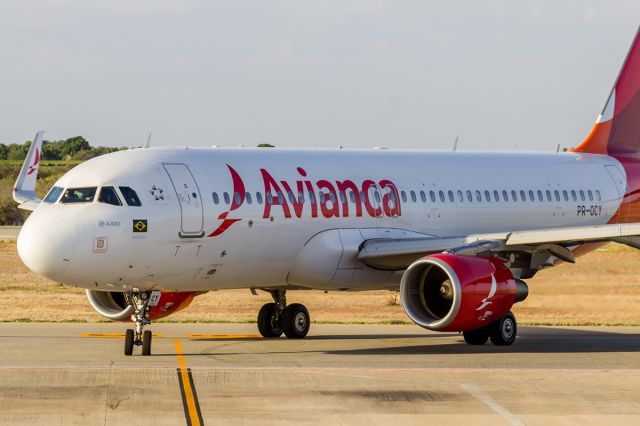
(265, 145)
(17, 151)
(3, 151)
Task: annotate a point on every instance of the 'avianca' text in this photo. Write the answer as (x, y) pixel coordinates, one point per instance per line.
(329, 199)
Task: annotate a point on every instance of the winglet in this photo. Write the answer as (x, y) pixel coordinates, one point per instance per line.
(147, 144)
(24, 191)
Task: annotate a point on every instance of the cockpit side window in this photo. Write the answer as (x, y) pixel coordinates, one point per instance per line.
(53, 195)
(78, 195)
(130, 196)
(108, 196)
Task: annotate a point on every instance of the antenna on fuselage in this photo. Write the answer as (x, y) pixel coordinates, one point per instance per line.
(147, 144)
(455, 144)
(558, 148)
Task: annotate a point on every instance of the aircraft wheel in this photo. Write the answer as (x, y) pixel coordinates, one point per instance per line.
(146, 342)
(479, 336)
(128, 342)
(295, 321)
(502, 332)
(270, 321)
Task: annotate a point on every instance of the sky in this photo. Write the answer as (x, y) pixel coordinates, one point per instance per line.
(500, 75)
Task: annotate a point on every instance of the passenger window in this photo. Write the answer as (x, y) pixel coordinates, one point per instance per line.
(236, 197)
(432, 195)
(290, 195)
(227, 200)
(487, 196)
(343, 199)
(269, 197)
(423, 196)
(130, 196)
(496, 195)
(532, 198)
(565, 194)
(549, 195)
(301, 196)
(557, 194)
(392, 196)
(505, 196)
(280, 197)
(259, 197)
(478, 196)
(540, 196)
(216, 199)
(590, 195)
(599, 198)
(523, 196)
(376, 195)
(352, 197)
(441, 195)
(582, 195)
(404, 196)
(247, 197)
(460, 196)
(469, 196)
(451, 196)
(53, 195)
(413, 196)
(573, 195)
(78, 195)
(108, 196)
(312, 197)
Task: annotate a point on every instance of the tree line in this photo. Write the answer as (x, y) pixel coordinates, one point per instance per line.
(74, 148)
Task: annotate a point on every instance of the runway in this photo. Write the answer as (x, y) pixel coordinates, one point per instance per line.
(75, 373)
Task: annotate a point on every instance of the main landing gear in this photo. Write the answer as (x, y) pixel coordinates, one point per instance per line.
(277, 318)
(140, 301)
(502, 332)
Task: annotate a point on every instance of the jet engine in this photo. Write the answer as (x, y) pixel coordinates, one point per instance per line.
(447, 292)
(112, 305)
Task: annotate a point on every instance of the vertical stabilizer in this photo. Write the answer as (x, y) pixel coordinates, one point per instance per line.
(617, 129)
(24, 191)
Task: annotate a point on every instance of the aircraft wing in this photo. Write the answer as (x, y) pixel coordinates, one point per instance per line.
(24, 190)
(534, 247)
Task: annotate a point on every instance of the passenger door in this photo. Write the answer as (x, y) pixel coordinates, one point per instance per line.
(188, 194)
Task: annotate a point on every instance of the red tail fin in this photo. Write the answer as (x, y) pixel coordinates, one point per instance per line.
(617, 129)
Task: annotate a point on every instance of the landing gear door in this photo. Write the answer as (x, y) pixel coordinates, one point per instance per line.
(189, 199)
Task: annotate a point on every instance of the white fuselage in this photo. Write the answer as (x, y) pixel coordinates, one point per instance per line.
(302, 239)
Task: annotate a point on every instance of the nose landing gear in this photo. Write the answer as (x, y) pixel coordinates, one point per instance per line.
(277, 318)
(141, 301)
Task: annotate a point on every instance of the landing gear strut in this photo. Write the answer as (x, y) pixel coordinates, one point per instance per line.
(502, 332)
(141, 303)
(277, 318)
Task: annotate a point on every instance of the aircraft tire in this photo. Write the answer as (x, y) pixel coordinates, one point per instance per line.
(268, 326)
(128, 342)
(296, 321)
(479, 336)
(503, 331)
(146, 342)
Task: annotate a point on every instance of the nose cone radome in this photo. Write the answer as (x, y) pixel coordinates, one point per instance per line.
(46, 244)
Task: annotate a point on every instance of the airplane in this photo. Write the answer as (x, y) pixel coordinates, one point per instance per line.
(146, 230)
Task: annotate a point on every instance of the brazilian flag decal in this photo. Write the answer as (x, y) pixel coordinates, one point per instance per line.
(139, 225)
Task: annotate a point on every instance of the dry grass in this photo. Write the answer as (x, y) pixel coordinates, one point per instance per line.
(602, 288)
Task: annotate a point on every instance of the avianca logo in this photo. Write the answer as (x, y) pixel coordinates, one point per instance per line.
(33, 167)
(307, 198)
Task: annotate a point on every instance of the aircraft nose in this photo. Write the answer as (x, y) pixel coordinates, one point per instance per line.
(46, 244)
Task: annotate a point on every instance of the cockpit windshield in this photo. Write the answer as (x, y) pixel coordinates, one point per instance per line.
(78, 195)
(130, 196)
(108, 196)
(53, 195)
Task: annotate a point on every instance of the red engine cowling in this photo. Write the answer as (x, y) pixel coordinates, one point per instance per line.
(447, 292)
(111, 304)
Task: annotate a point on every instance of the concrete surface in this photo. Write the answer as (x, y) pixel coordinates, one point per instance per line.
(9, 233)
(341, 374)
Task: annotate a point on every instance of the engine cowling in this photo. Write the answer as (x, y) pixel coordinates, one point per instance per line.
(111, 304)
(447, 292)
